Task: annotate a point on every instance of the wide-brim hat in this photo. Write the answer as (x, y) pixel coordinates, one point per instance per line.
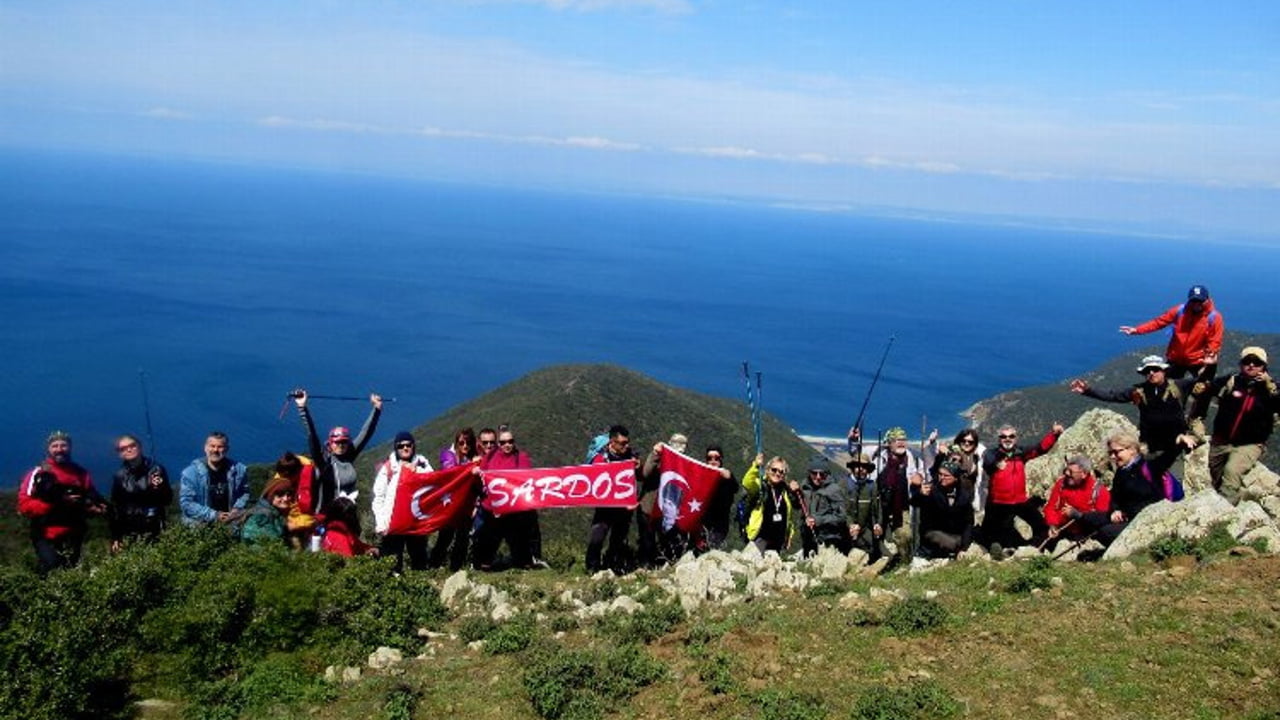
(1153, 361)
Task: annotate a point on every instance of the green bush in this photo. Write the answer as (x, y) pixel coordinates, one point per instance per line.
(511, 636)
(1035, 574)
(717, 673)
(775, 704)
(923, 700)
(644, 625)
(915, 615)
(580, 684)
(824, 589)
(401, 701)
(475, 627)
(1217, 541)
(1173, 546)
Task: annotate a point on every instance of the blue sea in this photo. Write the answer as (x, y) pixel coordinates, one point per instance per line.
(222, 287)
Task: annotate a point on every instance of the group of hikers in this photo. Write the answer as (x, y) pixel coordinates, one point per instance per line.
(895, 501)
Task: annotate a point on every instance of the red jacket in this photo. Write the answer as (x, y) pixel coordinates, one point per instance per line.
(1090, 496)
(339, 540)
(53, 519)
(1009, 483)
(1194, 334)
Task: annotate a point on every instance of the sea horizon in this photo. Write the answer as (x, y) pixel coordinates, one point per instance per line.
(225, 286)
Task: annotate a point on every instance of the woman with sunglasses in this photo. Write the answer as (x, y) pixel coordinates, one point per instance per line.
(403, 462)
(965, 454)
(453, 542)
(770, 525)
(140, 495)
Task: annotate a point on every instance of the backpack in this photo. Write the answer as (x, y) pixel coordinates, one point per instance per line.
(1172, 486)
(597, 446)
(1213, 316)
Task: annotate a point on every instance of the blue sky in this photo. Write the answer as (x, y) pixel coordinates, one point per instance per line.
(1152, 116)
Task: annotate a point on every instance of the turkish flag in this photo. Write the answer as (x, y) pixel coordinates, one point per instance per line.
(684, 490)
(426, 502)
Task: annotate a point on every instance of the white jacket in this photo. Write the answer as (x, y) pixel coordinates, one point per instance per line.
(384, 487)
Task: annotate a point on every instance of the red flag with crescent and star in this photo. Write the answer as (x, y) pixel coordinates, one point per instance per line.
(684, 490)
(426, 502)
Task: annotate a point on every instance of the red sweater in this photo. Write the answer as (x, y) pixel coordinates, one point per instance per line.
(1090, 496)
(1008, 470)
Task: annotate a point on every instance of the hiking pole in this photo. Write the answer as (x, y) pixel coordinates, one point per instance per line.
(1065, 525)
(355, 398)
(759, 411)
(751, 404)
(876, 378)
(146, 409)
(1079, 542)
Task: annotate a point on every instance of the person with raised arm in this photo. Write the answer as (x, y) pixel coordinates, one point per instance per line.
(140, 495)
(1196, 334)
(335, 460)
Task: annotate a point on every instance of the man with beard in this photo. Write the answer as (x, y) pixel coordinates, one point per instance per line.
(1006, 466)
(214, 488)
(1248, 403)
(58, 497)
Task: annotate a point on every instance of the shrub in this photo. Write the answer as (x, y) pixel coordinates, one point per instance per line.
(777, 704)
(1173, 546)
(475, 627)
(824, 589)
(1217, 541)
(645, 625)
(1035, 574)
(402, 700)
(580, 684)
(716, 671)
(915, 615)
(923, 700)
(511, 636)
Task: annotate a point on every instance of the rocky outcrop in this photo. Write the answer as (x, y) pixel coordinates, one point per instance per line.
(1192, 519)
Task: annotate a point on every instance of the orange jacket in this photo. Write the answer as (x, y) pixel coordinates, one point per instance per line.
(1194, 334)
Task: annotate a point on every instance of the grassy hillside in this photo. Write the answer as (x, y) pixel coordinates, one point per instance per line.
(1033, 409)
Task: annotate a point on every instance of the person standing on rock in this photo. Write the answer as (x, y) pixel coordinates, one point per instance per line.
(946, 513)
(830, 517)
(611, 522)
(1074, 494)
(1006, 466)
(58, 497)
(866, 532)
(335, 461)
(1196, 338)
(1162, 409)
(214, 488)
(1248, 403)
(1133, 487)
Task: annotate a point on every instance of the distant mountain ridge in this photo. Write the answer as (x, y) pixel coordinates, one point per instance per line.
(1033, 409)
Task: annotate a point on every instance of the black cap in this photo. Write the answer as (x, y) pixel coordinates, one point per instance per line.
(1198, 293)
(404, 436)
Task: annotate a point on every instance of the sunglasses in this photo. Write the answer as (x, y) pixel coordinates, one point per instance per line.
(1255, 362)
(403, 445)
(512, 441)
(130, 446)
(713, 456)
(777, 471)
(1009, 437)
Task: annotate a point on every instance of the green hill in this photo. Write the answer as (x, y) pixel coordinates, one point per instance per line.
(555, 411)
(1033, 409)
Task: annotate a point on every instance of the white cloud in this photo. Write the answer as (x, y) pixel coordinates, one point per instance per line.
(164, 113)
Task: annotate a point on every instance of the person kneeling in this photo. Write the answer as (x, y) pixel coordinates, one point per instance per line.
(946, 514)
